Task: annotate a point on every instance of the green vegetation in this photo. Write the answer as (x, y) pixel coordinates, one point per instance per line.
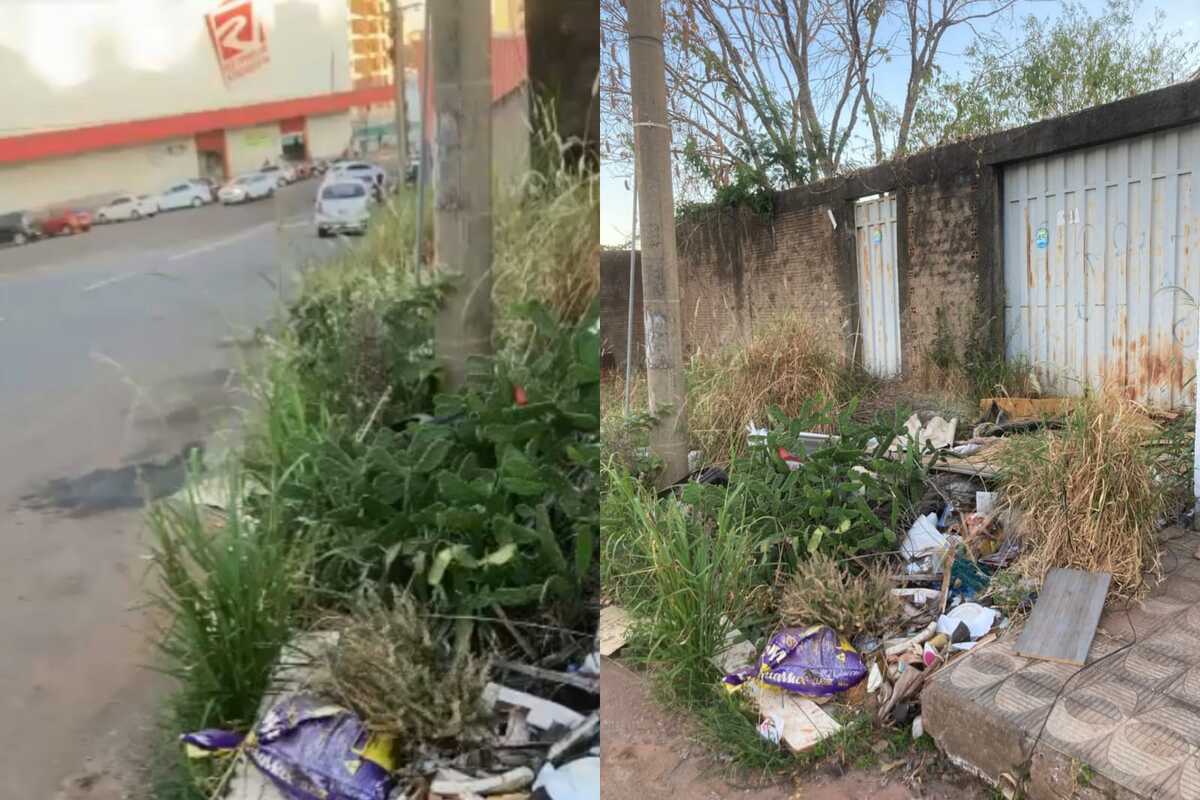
(692, 567)
(360, 478)
(1046, 73)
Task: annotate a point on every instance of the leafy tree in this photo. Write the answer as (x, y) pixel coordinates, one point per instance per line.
(1076, 62)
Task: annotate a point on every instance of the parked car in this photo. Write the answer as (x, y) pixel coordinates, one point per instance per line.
(148, 204)
(282, 174)
(65, 221)
(356, 168)
(343, 206)
(249, 187)
(127, 206)
(18, 227)
(208, 184)
(182, 195)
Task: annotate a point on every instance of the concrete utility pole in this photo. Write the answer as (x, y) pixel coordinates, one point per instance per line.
(401, 84)
(462, 179)
(660, 266)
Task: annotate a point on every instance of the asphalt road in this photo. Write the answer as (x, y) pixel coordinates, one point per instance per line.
(118, 350)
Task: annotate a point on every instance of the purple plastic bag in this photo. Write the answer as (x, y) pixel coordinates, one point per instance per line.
(311, 751)
(812, 661)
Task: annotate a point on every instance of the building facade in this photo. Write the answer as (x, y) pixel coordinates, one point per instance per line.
(102, 98)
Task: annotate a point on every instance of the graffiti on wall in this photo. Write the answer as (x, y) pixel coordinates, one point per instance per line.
(238, 38)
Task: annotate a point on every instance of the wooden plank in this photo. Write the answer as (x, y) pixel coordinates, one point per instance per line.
(614, 622)
(1065, 616)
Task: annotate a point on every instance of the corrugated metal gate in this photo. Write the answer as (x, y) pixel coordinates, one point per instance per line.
(1098, 244)
(878, 286)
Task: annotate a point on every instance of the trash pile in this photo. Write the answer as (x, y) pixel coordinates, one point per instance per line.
(942, 580)
(305, 747)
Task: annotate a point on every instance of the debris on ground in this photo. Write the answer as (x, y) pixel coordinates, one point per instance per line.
(332, 732)
(1064, 619)
(856, 628)
(815, 662)
(614, 627)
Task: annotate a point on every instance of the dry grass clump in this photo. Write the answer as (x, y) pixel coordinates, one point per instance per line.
(1088, 494)
(785, 364)
(389, 669)
(548, 232)
(821, 592)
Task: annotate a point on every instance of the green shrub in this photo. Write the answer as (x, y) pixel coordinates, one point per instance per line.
(489, 502)
(844, 498)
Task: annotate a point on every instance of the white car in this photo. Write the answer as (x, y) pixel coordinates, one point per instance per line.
(279, 174)
(127, 206)
(343, 206)
(184, 195)
(357, 168)
(248, 187)
(148, 204)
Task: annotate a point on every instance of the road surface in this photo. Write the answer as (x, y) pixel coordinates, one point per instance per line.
(116, 351)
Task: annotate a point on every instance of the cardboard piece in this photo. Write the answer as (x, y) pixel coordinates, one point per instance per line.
(804, 722)
(614, 624)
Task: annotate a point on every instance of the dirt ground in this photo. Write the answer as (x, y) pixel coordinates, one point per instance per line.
(646, 754)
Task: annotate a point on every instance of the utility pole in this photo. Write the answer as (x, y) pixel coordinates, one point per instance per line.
(401, 84)
(660, 265)
(462, 180)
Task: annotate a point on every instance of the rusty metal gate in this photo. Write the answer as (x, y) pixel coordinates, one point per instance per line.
(1102, 266)
(878, 285)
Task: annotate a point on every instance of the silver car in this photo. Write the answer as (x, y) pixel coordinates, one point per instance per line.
(343, 206)
(247, 188)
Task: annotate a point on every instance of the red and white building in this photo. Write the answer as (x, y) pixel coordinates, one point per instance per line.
(133, 95)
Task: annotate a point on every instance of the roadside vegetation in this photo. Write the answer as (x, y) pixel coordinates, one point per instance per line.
(804, 530)
(436, 529)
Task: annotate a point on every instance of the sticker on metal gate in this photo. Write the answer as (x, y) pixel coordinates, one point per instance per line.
(1043, 237)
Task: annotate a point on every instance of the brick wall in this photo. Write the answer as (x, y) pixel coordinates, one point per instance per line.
(738, 271)
(942, 269)
(614, 309)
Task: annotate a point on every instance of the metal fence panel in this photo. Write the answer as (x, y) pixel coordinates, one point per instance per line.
(1102, 266)
(878, 284)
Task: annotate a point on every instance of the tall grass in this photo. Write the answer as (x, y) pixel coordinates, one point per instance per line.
(786, 363)
(547, 235)
(688, 580)
(1091, 495)
(229, 594)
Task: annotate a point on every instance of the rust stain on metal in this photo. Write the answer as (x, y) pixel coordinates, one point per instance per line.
(1028, 253)
(1161, 366)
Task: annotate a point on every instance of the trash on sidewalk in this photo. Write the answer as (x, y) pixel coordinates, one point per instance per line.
(815, 661)
(796, 722)
(575, 780)
(924, 546)
(978, 619)
(309, 749)
(1064, 618)
(452, 784)
(614, 625)
(937, 433)
(737, 652)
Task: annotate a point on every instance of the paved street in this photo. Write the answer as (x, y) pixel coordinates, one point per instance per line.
(116, 348)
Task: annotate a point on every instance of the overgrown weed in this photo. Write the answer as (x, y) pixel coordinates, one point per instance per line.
(1090, 494)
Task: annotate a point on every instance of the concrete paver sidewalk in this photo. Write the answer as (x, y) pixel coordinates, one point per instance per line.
(1125, 725)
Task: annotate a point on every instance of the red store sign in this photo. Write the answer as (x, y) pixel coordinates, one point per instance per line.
(238, 38)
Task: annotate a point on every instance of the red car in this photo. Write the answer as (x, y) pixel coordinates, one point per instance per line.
(66, 221)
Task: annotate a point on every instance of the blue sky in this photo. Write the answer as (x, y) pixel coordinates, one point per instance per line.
(616, 199)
